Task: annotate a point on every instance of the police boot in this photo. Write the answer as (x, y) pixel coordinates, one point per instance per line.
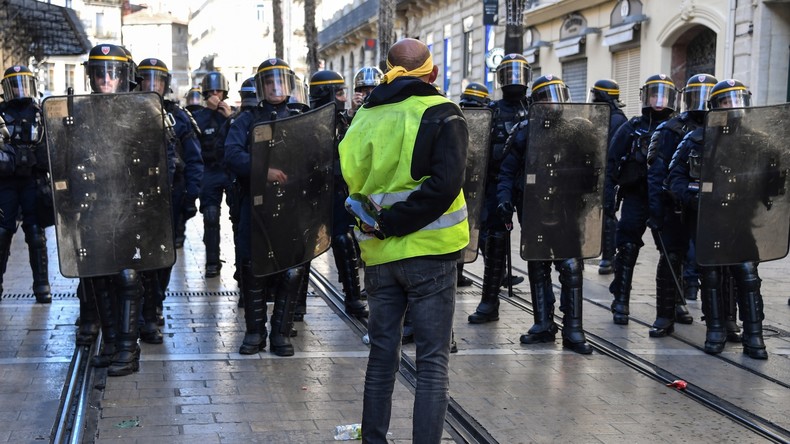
(107, 305)
(164, 282)
(682, 314)
(211, 241)
(37, 248)
(624, 262)
(5, 250)
(89, 316)
(731, 311)
(127, 356)
(345, 252)
(608, 247)
(751, 306)
(254, 312)
(544, 329)
(715, 336)
(283, 313)
(461, 280)
(690, 289)
(301, 298)
(571, 305)
(149, 332)
(494, 252)
(664, 324)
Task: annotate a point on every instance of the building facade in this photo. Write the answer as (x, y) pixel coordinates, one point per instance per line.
(585, 40)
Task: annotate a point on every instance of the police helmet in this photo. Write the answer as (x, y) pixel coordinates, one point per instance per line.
(247, 92)
(605, 91)
(550, 88)
(367, 76)
(513, 70)
(730, 93)
(19, 83)
(324, 86)
(274, 81)
(134, 77)
(697, 91)
(214, 81)
(154, 76)
(194, 97)
(108, 69)
(475, 94)
(659, 93)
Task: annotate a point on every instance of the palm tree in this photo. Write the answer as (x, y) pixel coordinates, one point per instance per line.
(311, 35)
(386, 33)
(277, 12)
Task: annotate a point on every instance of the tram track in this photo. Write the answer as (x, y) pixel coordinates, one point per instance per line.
(458, 422)
(754, 422)
(70, 420)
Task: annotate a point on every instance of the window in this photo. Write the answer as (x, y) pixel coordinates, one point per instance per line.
(468, 48)
(261, 12)
(99, 23)
(69, 71)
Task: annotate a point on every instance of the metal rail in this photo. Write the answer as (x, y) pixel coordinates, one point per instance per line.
(70, 420)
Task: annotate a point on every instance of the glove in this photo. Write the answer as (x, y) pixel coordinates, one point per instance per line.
(655, 223)
(505, 212)
(189, 208)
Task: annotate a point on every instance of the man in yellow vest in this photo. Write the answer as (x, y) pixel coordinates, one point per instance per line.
(404, 157)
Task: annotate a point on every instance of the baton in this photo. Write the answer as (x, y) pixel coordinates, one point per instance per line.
(678, 287)
(508, 256)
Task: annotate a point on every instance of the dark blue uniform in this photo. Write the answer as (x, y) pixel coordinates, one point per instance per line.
(684, 182)
(185, 171)
(23, 184)
(616, 120)
(494, 234)
(216, 181)
(509, 195)
(285, 285)
(626, 167)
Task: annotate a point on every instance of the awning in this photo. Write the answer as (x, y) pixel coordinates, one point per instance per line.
(624, 32)
(41, 29)
(568, 47)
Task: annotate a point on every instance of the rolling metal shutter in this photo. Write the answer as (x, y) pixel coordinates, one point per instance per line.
(625, 71)
(574, 74)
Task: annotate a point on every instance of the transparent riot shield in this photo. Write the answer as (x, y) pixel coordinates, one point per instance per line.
(108, 162)
(291, 219)
(563, 181)
(744, 209)
(478, 121)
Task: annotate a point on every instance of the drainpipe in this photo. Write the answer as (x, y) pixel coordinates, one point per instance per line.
(729, 40)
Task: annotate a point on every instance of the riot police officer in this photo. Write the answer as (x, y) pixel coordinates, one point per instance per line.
(24, 177)
(475, 95)
(117, 298)
(185, 177)
(216, 180)
(663, 220)
(627, 169)
(365, 79)
(513, 76)
(545, 89)
(328, 87)
(684, 181)
(194, 99)
(274, 81)
(608, 91)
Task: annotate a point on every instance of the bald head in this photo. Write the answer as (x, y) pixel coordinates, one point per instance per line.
(408, 53)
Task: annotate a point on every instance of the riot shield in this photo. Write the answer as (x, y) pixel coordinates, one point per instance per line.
(563, 181)
(291, 219)
(478, 121)
(744, 209)
(108, 162)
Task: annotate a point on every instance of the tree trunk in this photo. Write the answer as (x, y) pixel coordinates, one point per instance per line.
(311, 35)
(386, 31)
(277, 12)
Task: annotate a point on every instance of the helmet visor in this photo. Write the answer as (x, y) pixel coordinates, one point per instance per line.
(695, 96)
(554, 92)
(154, 80)
(367, 77)
(734, 98)
(513, 72)
(194, 97)
(659, 95)
(108, 76)
(19, 86)
(274, 84)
